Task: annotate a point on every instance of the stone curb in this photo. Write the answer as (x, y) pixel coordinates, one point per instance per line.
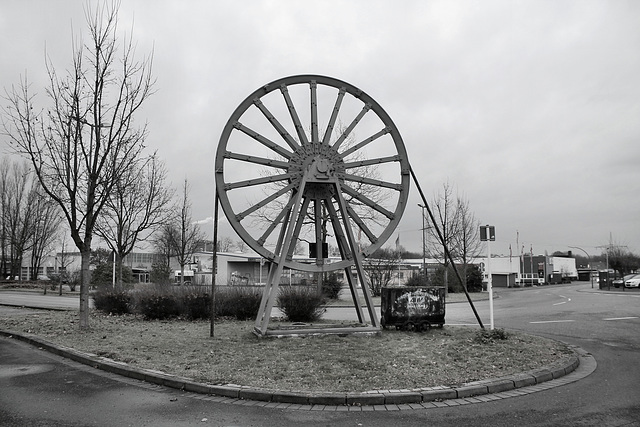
(373, 398)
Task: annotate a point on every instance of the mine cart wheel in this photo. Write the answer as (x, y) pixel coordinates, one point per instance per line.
(425, 326)
(410, 326)
(315, 123)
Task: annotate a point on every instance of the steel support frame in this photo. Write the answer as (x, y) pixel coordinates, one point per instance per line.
(348, 249)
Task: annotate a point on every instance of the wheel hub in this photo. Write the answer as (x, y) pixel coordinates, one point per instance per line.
(322, 165)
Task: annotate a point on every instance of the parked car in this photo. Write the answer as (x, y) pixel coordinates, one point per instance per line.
(634, 282)
(620, 281)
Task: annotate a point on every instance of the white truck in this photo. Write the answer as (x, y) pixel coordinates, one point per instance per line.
(565, 267)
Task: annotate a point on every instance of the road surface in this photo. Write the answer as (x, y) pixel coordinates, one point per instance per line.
(41, 389)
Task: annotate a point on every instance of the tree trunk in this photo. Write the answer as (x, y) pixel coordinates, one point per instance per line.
(85, 279)
(119, 282)
(19, 269)
(446, 279)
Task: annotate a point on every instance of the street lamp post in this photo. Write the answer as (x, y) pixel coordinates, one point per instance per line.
(424, 245)
(588, 262)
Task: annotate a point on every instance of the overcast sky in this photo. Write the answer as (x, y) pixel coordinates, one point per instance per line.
(529, 109)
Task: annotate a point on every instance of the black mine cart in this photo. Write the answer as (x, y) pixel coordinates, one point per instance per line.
(412, 307)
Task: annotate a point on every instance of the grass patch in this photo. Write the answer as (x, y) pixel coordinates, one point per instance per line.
(394, 360)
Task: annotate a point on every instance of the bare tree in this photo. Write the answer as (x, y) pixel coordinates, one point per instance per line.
(19, 213)
(46, 224)
(621, 259)
(466, 242)
(225, 244)
(380, 268)
(86, 139)
(241, 246)
(4, 212)
(459, 229)
(138, 203)
(188, 234)
(163, 240)
(30, 218)
(64, 260)
(444, 211)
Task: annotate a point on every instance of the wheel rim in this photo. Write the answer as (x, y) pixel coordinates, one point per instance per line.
(284, 128)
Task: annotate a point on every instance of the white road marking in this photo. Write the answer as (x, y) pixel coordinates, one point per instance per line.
(554, 321)
(462, 324)
(559, 303)
(621, 318)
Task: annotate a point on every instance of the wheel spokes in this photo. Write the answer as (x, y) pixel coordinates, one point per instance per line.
(367, 201)
(257, 160)
(361, 224)
(352, 125)
(371, 162)
(264, 202)
(263, 140)
(294, 115)
(276, 124)
(371, 181)
(272, 226)
(369, 140)
(314, 111)
(257, 181)
(334, 116)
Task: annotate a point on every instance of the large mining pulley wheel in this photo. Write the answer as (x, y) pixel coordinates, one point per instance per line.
(319, 154)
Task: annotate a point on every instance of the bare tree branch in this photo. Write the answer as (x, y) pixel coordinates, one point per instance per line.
(139, 202)
(86, 139)
(188, 235)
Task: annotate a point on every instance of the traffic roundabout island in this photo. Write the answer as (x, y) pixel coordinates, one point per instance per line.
(579, 365)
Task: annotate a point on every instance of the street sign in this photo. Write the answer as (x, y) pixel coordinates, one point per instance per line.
(487, 232)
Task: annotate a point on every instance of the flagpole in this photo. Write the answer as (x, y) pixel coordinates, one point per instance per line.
(522, 266)
(517, 246)
(531, 261)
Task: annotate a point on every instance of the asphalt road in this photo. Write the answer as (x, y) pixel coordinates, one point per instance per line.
(51, 300)
(39, 389)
